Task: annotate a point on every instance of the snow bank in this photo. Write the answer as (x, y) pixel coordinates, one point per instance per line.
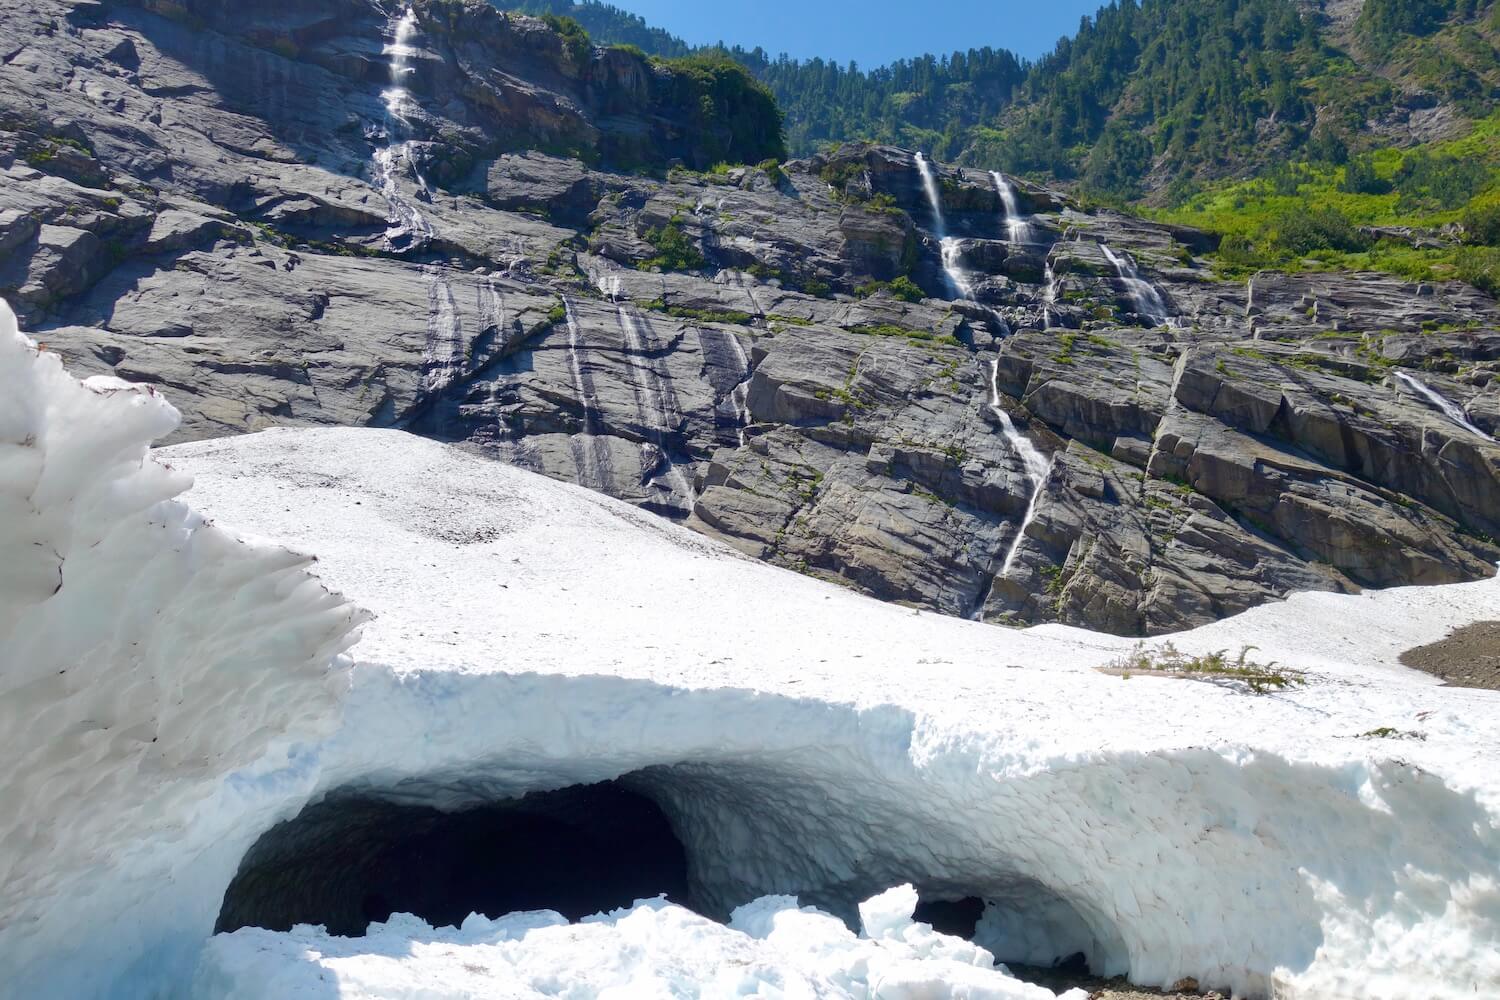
(803, 742)
(144, 656)
(769, 948)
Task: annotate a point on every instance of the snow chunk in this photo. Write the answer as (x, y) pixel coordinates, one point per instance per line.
(888, 914)
(771, 948)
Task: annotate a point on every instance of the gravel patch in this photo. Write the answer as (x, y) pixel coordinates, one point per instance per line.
(1060, 980)
(1470, 657)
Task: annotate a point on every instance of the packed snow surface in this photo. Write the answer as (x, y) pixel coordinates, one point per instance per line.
(1338, 840)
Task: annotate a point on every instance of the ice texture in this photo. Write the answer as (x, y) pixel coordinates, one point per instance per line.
(145, 657)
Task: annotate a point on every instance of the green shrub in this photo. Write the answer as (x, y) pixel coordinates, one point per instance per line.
(1118, 161)
(675, 250)
(1325, 145)
(735, 118)
(840, 176)
(906, 290)
(902, 288)
(1442, 181)
(1307, 231)
(575, 40)
(1482, 224)
(1360, 178)
(1383, 22)
(772, 169)
(1215, 667)
(701, 315)
(1480, 267)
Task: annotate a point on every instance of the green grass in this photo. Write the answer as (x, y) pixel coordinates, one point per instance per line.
(915, 336)
(1305, 216)
(701, 315)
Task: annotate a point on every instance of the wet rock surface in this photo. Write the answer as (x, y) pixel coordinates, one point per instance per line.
(192, 195)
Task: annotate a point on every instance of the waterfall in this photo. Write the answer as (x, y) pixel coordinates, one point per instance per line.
(607, 285)
(934, 197)
(652, 406)
(1049, 294)
(741, 392)
(491, 307)
(956, 275)
(590, 450)
(1017, 229)
(443, 354)
(397, 98)
(406, 226)
(1450, 409)
(957, 279)
(1038, 467)
(736, 279)
(1146, 299)
(575, 361)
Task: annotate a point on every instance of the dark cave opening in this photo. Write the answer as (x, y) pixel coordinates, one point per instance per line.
(958, 917)
(352, 859)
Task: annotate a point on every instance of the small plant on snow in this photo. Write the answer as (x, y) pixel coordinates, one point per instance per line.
(1241, 672)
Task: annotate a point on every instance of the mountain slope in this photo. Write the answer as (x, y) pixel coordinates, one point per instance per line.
(1149, 94)
(1155, 93)
(928, 383)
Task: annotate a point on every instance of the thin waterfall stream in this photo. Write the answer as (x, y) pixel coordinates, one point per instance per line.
(407, 229)
(652, 407)
(406, 226)
(1143, 295)
(957, 279)
(590, 451)
(1449, 409)
(741, 392)
(1049, 294)
(1017, 228)
(1036, 465)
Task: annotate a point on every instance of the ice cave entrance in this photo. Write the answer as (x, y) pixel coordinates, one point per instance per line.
(353, 858)
(356, 857)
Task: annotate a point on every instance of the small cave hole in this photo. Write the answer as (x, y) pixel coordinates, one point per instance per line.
(1034, 932)
(353, 859)
(957, 917)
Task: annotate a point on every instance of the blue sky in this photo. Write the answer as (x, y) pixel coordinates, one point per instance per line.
(872, 32)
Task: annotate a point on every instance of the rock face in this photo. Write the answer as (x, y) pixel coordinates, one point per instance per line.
(235, 202)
